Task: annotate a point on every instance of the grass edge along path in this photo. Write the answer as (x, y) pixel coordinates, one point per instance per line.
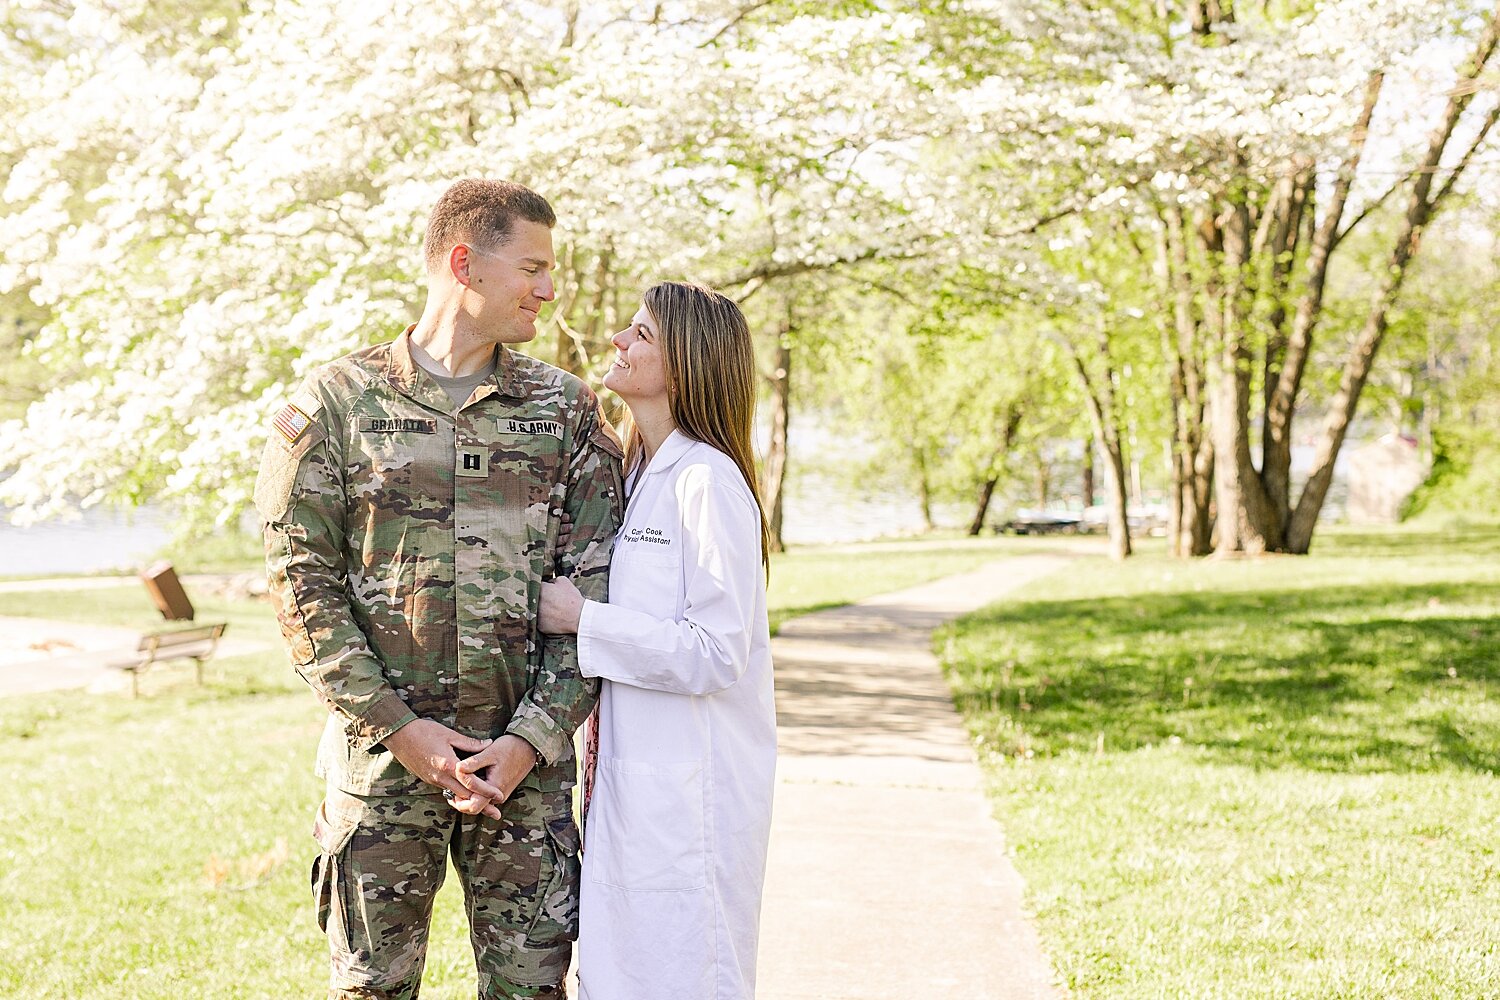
(1265, 778)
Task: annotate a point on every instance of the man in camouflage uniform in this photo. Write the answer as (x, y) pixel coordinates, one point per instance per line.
(409, 525)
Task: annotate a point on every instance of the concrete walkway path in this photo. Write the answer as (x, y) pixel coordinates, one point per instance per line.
(888, 876)
(37, 654)
(41, 655)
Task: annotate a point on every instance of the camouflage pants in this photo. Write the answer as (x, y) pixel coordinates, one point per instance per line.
(384, 858)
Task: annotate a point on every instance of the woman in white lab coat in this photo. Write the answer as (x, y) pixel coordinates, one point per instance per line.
(680, 808)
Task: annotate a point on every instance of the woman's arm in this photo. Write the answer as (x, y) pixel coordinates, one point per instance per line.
(708, 648)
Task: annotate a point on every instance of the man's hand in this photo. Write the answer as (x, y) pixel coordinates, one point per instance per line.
(561, 607)
(498, 768)
(428, 749)
(472, 804)
(564, 540)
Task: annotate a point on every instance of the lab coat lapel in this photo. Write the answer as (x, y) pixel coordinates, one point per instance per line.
(671, 451)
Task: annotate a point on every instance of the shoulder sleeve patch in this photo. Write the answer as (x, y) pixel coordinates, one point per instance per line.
(308, 402)
(290, 422)
(293, 435)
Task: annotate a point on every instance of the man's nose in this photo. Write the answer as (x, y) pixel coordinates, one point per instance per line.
(547, 292)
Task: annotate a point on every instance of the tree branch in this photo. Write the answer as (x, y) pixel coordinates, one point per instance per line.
(1421, 204)
(735, 21)
(1463, 162)
(1371, 208)
(1281, 400)
(770, 272)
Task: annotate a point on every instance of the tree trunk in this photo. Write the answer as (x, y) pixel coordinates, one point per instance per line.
(1119, 524)
(773, 488)
(1246, 522)
(982, 506)
(1197, 507)
(1176, 502)
(563, 306)
(1088, 472)
(987, 488)
(1100, 400)
(1421, 204)
(1136, 490)
(1283, 235)
(1176, 391)
(1192, 449)
(587, 332)
(1281, 395)
(595, 332)
(924, 488)
(1204, 14)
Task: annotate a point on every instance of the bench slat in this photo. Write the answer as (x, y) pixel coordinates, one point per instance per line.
(161, 641)
(196, 644)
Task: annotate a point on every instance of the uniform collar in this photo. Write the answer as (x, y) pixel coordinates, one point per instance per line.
(403, 372)
(673, 448)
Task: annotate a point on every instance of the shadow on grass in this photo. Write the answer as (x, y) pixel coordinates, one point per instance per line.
(1352, 678)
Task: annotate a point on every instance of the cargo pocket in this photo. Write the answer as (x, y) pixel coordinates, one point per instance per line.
(333, 829)
(556, 918)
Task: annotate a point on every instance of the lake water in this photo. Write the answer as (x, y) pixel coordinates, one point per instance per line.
(102, 541)
(98, 541)
(833, 496)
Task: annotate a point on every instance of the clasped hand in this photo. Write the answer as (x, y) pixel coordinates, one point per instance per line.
(478, 783)
(473, 784)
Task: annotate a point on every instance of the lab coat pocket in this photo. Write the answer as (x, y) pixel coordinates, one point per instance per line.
(644, 577)
(650, 832)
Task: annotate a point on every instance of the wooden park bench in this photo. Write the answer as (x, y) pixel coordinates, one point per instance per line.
(196, 643)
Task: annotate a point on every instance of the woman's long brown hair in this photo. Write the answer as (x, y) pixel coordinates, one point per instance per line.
(710, 364)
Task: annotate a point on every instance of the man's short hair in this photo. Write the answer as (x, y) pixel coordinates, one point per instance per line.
(481, 212)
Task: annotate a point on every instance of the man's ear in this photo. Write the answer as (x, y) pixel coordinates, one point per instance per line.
(458, 263)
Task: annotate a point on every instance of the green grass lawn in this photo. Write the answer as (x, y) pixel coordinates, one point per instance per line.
(158, 848)
(1267, 778)
(816, 577)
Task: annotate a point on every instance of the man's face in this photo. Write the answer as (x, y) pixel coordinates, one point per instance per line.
(511, 282)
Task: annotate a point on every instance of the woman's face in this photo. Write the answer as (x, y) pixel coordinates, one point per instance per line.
(639, 372)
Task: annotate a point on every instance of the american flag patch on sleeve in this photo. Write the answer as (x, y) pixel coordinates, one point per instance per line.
(290, 423)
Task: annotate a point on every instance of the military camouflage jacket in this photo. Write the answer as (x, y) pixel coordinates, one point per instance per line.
(406, 545)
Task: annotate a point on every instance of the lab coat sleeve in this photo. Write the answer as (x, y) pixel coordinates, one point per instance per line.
(708, 648)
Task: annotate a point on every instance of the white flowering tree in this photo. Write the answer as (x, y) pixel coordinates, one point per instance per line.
(204, 200)
(209, 204)
(1242, 143)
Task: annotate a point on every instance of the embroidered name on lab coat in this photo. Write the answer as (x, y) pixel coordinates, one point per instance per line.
(650, 536)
